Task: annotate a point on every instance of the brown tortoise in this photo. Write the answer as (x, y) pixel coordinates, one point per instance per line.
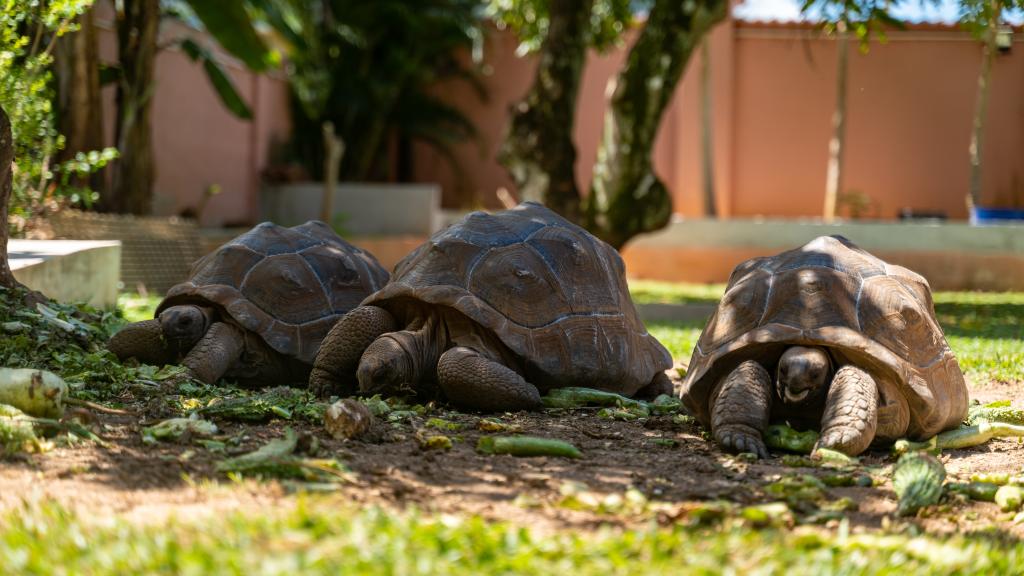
(256, 309)
(496, 309)
(853, 344)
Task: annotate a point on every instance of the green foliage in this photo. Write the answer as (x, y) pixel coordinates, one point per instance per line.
(28, 33)
(71, 343)
(368, 67)
(279, 402)
(220, 80)
(917, 480)
(863, 18)
(609, 20)
(232, 24)
(981, 17)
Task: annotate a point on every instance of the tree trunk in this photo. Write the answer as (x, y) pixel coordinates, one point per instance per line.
(7, 279)
(988, 54)
(834, 174)
(78, 94)
(137, 28)
(539, 151)
(707, 131)
(626, 197)
(6, 159)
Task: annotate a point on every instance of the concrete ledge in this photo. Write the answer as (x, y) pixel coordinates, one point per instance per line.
(361, 209)
(952, 256)
(870, 235)
(69, 270)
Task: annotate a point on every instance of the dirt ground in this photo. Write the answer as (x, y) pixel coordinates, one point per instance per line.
(142, 482)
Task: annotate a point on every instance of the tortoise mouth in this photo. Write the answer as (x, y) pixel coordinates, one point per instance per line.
(797, 397)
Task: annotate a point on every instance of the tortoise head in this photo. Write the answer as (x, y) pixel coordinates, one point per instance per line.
(802, 375)
(386, 367)
(183, 325)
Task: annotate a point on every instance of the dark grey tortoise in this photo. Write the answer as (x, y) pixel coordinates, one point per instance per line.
(256, 309)
(495, 310)
(828, 337)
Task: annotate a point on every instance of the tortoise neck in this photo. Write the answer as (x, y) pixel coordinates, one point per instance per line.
(423, 340)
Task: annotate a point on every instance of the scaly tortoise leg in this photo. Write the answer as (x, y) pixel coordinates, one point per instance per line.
(740, 409)
(851, 412)
(215, 352)
(334, 370)
(473, 382)
(143, 341)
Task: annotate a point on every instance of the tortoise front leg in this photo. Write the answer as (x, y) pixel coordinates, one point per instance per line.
(851, 412)
(215, 352)
(473, 382)
(143, 341)
(740, 409)
(334, 370)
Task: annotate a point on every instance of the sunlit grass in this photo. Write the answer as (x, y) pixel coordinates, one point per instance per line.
(136, 307)
(327, 537)
(655, 292)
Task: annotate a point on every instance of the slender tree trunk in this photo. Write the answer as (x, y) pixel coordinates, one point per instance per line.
(626, 197)
(988, 54)
(539, 151)
(137, 28)
(834, 174)
(78, 94)
(707, 131)
(334, 148)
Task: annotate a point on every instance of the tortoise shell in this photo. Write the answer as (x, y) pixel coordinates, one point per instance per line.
(867, 312)
(550, 291)
(288, 285)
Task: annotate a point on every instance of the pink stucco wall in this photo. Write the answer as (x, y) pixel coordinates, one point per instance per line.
(910, 104)
(196, 141)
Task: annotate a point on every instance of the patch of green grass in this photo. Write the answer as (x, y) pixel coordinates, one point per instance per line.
(655, 292)
(136, 307)
(678, 337)
(326, 538)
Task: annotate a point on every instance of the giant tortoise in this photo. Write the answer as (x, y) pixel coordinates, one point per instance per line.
(257, 308)
(493, 311)
(852, 343)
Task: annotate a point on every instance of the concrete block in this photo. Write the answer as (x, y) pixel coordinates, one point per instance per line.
(69, 270)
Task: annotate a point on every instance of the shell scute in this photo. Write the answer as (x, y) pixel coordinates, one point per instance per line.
(551, 292)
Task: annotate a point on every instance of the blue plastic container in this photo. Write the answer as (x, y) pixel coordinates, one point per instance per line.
(984, 216)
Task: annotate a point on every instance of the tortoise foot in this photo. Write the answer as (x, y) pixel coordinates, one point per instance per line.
(737, 438)
(740, 409)
(851, 412)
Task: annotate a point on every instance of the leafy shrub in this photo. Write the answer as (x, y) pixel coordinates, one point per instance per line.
(28, 32)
